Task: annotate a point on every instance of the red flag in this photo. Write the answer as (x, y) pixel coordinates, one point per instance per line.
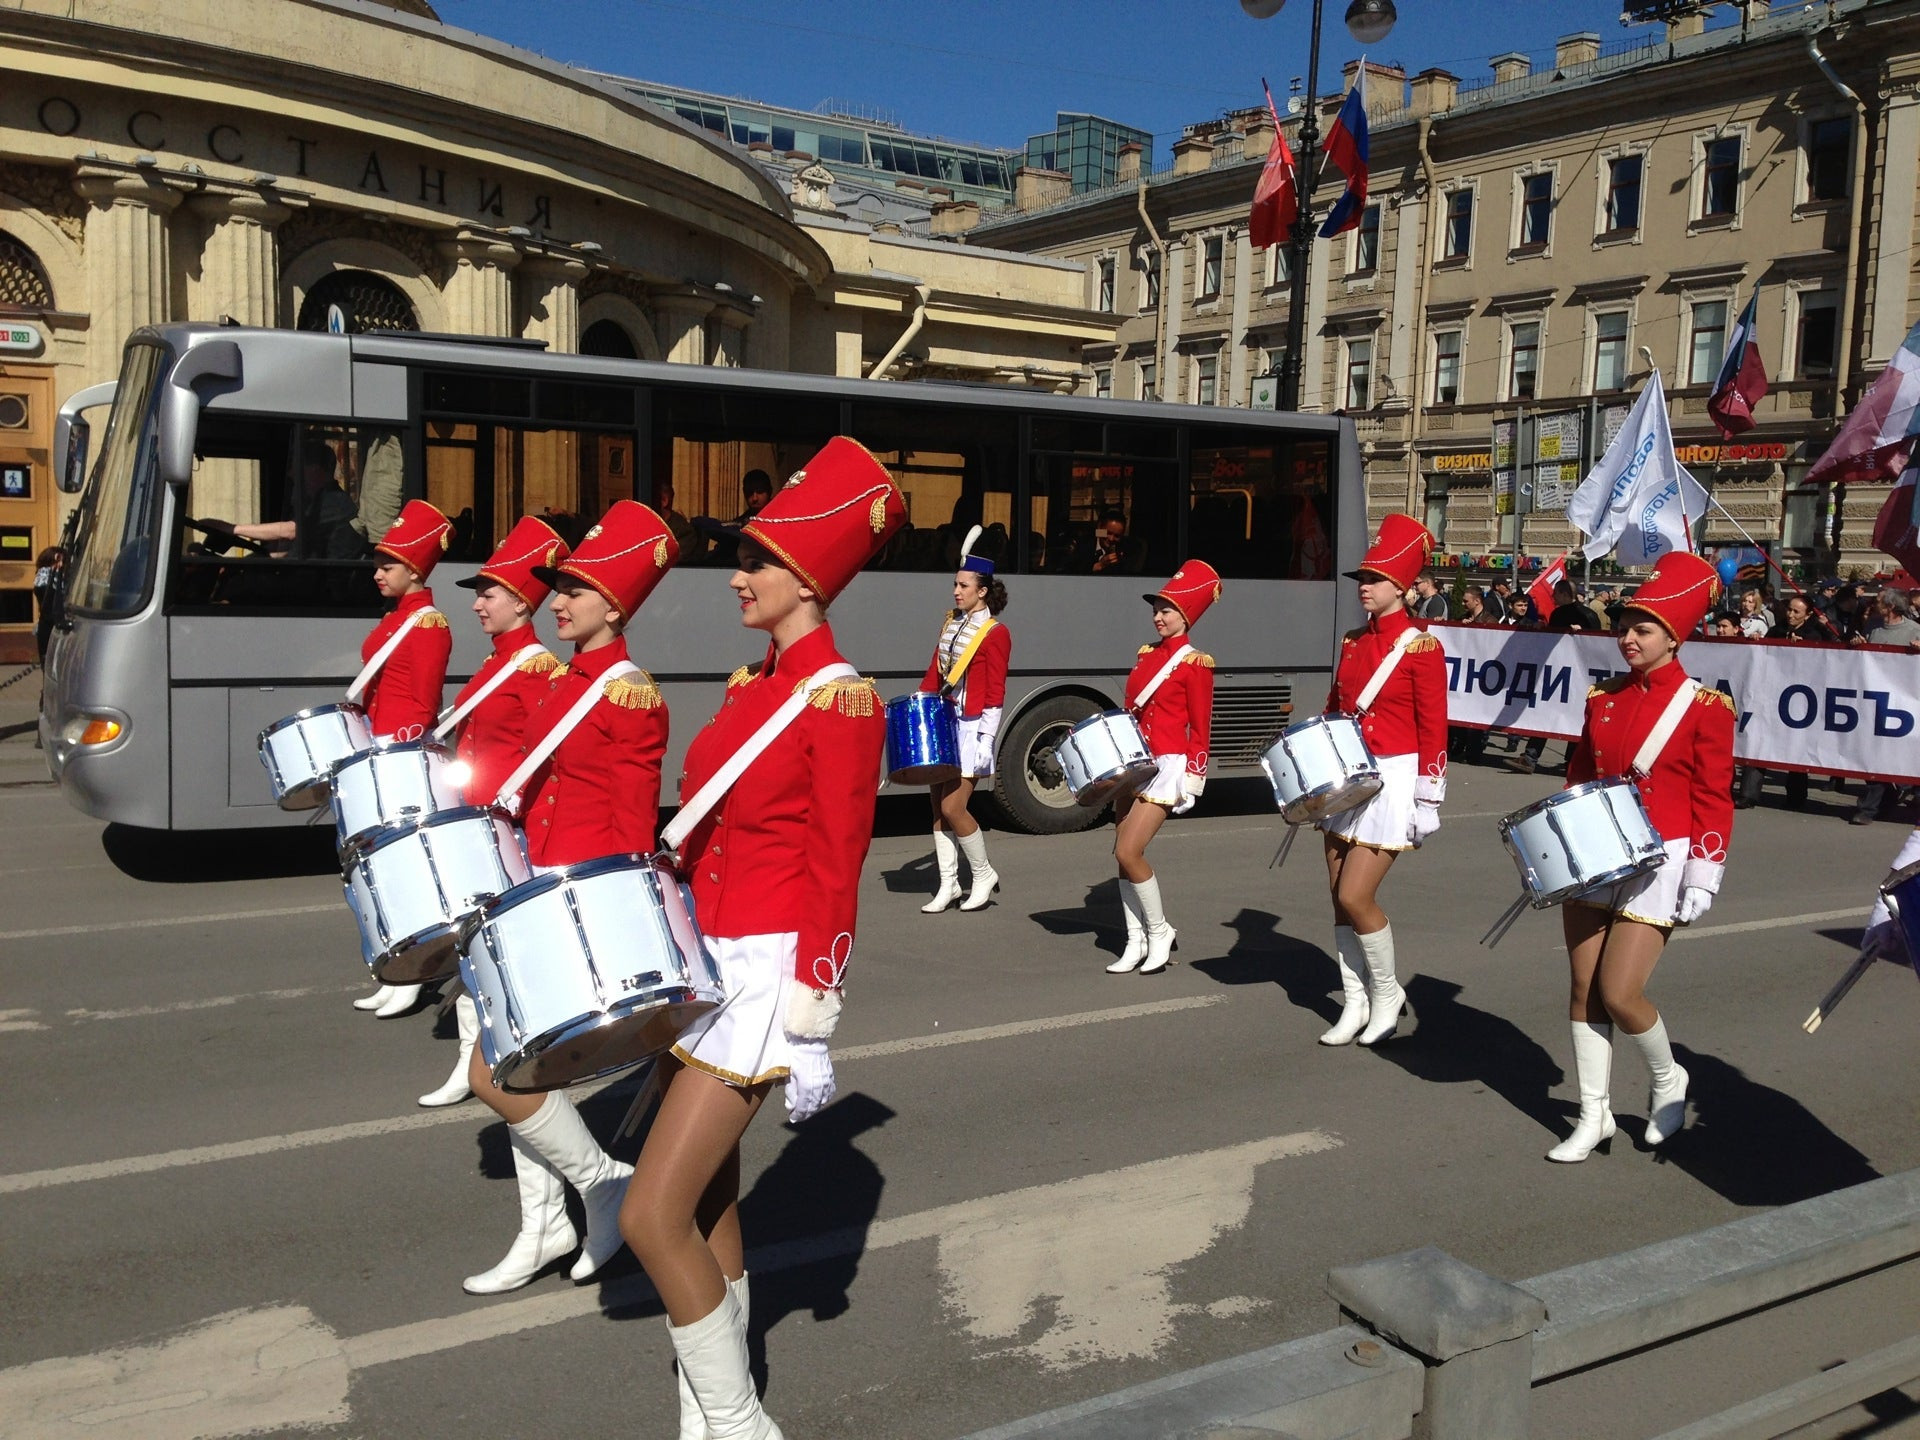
(1742, 379)
(1896, 531)
(1276, 199)
(1541, 591)
(1879, 432)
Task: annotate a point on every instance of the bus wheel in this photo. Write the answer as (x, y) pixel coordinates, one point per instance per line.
(1029, 788)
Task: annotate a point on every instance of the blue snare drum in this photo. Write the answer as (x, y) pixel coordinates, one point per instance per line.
(923, 741)
(1902, 892)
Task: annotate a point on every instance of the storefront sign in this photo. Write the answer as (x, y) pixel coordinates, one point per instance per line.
(1754, 451)
(1467, 460)
(19, 338)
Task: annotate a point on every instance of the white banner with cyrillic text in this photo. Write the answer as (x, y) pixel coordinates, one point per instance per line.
(1832, 709)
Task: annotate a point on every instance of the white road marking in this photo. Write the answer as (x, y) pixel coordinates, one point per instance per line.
(472, 1113)
(20, 1020)
(1779, 922)
(212, 1002)
(214, 919)
(1099, 1246)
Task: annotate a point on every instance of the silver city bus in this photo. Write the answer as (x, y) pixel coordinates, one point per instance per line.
(180, 643)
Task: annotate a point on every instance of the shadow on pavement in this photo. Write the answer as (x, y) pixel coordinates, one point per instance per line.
(1747, 1142)
(1454, 1043)
(1263, 954)
(185, 857)
(1099, 916)
(914, 877)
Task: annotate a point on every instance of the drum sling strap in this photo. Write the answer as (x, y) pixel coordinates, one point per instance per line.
(711, 793)
(1385, 671)
(1152, 686)
(510, 792)
(454, 714)
(384, 654)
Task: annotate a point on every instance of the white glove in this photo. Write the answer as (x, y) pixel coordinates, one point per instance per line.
(1192, 787)
(810, 1079)
(1186, 804)
(1880, 940)
(1426, 820)
(1694, 902)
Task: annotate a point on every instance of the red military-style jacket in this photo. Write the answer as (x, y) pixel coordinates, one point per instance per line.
(1409, 715)
(1689, 795)
(599, 793)
(403, 699)
(493, 736)
(1178, 720)
(983, 685)
(783, 850)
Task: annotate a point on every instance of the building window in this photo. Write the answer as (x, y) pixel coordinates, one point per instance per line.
(1623, 192)
(1206, 379)
(1211, 250)
(1829, 147)
(1720, 188)
(1459, 224)
(1279, 265)
(1814, 345)
(1150, 283)
(1536, 211)
(1106, 285)
(1610, 351)
(1708, 343)
(1524, 363)
(1366, 242)
(1103, 382)
(1149, 380)
(1359, 374)
(1446, 367)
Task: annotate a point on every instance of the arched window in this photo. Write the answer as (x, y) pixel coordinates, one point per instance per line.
(23, 282)
(609, 340)
(366, 302)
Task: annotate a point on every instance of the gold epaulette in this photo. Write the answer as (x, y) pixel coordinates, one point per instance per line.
(431, 620)
(1708, 696)
(1354, 634)
(543, 663)
(635, 692)
(1144, 650)
(856, 699)
(739, 677)
(1422, 643)
(559, 673)
(1200, 658)
(1613, 685)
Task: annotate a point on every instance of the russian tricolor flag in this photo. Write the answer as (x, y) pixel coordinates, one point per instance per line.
(1346, 148)
(1742, 380)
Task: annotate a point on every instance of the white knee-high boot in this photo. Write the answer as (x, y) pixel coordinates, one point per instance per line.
(1667, 1109)
(400, 999)
(1385, 997)
(1593, 1067)
(693, 1425)
(456, 1089)
(1160, 935)
(545, 1232)
(375, 1000)
(1354, 1007)
(946, 859)
(557, 1132)
(985, 879)
(713, 1356)
(1136, 950)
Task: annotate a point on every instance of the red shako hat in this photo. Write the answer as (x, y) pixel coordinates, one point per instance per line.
(1679, 593)
(1193, 588)
(418, 538)
(623, 557)
(530, 545)
(1399, 552)
(833, 515)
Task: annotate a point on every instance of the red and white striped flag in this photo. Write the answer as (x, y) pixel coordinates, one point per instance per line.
(1878, 436)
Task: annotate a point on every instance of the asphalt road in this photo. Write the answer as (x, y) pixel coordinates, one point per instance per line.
(222, 1213)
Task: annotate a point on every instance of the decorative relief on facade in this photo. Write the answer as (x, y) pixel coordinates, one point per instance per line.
(813, 189)
(23, 284)
(628, 287)
(308, 228)
(49, 190)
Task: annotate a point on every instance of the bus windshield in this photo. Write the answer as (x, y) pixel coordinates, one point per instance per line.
(111, 571)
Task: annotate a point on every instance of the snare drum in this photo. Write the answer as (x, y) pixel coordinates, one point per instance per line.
(301, 751)
(1105, 756)
(388, 784)
(1902, 894)
(412, 884)
(586, 970)
(1591, 835)
(923, 741)
(1320, 767)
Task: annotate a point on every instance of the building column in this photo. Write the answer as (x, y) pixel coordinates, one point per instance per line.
(129, 264)
(1236, 380)
(1890, 262)
(681, 317)
(553, 301)
(240, 257)
(479, 293)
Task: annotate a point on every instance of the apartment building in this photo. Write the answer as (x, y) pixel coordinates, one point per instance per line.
(1535, 243)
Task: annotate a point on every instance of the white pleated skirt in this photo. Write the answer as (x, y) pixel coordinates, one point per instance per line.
(1169, 784)
(744, 1042)
(1653, 898)
(1385, 821)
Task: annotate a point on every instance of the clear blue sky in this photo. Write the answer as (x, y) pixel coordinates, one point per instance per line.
(995, 71)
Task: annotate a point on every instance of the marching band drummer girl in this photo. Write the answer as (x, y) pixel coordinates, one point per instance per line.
(491, 710)
(774, 864)
(597, 794)
(404, 662)
(1615, 934)
(1171, 693)
(969, 668)
(1404, 723)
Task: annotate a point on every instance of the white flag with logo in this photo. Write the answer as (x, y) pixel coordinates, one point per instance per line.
(1638, 499)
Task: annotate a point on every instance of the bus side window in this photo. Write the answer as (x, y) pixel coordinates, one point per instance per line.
(1260, 504)
(719, 454)
(957, 466)
(1106, 506)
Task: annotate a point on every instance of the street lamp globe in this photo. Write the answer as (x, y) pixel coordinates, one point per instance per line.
(1370, 20)
(1262, 9)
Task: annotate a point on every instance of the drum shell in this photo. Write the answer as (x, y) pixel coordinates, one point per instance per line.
(923, 740)
(1901, 891)
(1319, 767)
(1582, 838)
(301, 751)
(1105, 757)
(387, 784)
(585, 971)
(411, 885)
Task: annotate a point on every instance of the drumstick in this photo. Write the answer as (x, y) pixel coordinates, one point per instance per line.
(1831, 1000)
(643, 1099)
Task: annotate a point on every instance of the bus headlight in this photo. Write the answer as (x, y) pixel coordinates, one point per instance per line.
(88, 729)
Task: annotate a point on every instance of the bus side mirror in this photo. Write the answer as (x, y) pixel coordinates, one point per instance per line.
(72, 436)
(180, 403)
